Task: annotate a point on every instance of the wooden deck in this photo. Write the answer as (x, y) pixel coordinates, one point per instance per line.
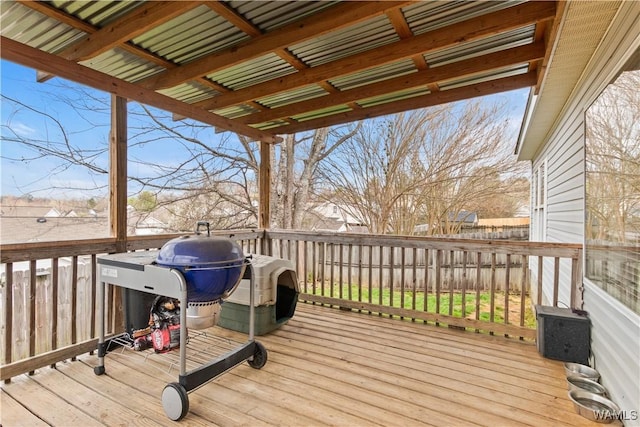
(325, 367)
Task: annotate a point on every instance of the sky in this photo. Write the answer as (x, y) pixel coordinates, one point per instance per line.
(25, 171)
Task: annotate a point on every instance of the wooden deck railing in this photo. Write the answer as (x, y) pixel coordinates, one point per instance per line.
(48, 290)
(473, 284)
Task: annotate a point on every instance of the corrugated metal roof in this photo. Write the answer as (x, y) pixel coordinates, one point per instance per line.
(268, 16)
(322, 113)
(289, 97)
(430, 15)
(190, 92)
(123, 64)
(374, 75)
(35, 29)
(514, 38)
(395, 96)
(345, 42)
(514, 70)
(181, 44)
(97, 13)
(192, 35)
(252, 72)
(236, 111)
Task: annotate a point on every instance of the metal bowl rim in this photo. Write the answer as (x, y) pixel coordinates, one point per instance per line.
(583, 394)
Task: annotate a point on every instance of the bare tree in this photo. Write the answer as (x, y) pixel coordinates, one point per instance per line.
(426, 167)
(613, 161)
(296, 172)
(191, 172)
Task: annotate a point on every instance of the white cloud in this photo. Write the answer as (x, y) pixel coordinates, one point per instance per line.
(23, 130)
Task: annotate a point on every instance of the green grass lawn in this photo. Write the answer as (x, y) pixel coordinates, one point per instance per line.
(432, 306)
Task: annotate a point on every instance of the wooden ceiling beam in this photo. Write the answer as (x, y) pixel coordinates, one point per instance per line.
(37, 59)
(342, 15)
(467, 67)
(465, 31)
(429, 100)
(137, 22)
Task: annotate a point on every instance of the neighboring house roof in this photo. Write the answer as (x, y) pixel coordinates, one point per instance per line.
(29, 229)
(28, 211)
(466, 217)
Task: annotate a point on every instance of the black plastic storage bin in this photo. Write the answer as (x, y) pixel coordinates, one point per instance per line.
(563, 334)
(136, 306)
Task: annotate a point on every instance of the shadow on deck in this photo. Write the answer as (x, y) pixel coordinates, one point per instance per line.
(325, 367)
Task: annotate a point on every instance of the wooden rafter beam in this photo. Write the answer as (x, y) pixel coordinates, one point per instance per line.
(342, 15)
(492, 61)
(465, 31)
(37, 59)
(423, 101)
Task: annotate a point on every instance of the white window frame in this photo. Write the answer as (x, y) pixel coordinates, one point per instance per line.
(539, 201)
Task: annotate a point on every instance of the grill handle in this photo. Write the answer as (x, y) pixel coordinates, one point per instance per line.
(203, 224)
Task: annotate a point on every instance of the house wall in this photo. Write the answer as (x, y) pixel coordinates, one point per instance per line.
(615, 333)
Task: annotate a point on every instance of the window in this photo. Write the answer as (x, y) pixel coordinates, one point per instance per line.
(539, 201)
(612, 223)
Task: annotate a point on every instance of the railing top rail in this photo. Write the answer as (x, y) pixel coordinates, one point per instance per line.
(563, 250)
(42, 250)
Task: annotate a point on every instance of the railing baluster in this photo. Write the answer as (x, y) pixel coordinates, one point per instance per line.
(507, 272)
(314, 267)
(438, 279)
(305, 268)
(391, 271)
(402, 276)
(523, 289)
(333, 266)
(54, 298)
(74, 299)
(8, 316)
(426, 280)
(32, 309)
(451, 281)
(556, 280)
(340, 262)
(478, 283)
(540, 266)
(322, 267)
(414, 275)
(492, 303)
(380, 271)
(349, 261)
(463, 301)
(360, 272)
(370, 272)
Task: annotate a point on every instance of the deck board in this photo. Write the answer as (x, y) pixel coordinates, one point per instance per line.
(325, 367)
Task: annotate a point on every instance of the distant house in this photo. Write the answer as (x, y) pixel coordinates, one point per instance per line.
(463, 217)
(143, 224)
(53, 213)
(339, 218)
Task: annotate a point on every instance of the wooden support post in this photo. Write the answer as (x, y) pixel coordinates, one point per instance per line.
(118, 190)
(264, 184)
(118, 172)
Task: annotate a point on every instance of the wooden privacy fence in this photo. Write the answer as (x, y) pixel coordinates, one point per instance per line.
(477, 284)
(48, 292)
